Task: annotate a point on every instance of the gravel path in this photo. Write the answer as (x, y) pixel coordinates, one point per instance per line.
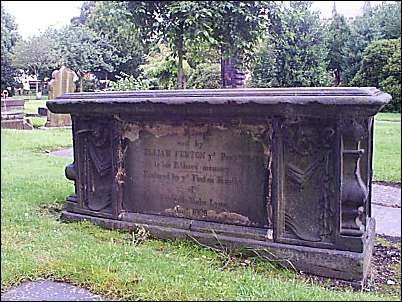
(388, 196)
(45, 290)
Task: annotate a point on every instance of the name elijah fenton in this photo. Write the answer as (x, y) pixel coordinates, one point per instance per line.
(184, 154)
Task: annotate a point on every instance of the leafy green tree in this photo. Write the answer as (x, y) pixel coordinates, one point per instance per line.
(86, 9)
(228, 26)
(160, 68)
(336, 37)
(176, 23)
(381, 67)
(9, 38)
(293, 53)
(109, 20)
(83, 50)
(387, 20)
(381, 22)
(36, 55)
(237, 25)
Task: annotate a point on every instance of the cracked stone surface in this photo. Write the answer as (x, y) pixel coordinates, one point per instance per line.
(386, 203)
(45, 290)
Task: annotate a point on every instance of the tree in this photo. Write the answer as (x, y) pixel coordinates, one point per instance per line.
(160, 68)
(293, 53)
(336, 37)
(381, 22)
(86, 9)
(109, 20)
(83, 51)
(237, 25)
(387, 20)
(381, 67)
(9, 38)
(176, 23)
(36, 54)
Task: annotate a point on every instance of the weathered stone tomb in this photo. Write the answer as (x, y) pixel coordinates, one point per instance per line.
(286, 171)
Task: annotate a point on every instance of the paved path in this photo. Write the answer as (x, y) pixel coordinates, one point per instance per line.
(63, 153)
(48, 291)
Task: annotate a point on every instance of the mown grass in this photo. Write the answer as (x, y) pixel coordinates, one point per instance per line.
(32, 106)
(387, 147)
(388, 116)
(35, 244)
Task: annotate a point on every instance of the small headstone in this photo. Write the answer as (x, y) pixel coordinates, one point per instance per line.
(62, 82)
(12, 115)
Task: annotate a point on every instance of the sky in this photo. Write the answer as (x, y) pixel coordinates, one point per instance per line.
(34, 16)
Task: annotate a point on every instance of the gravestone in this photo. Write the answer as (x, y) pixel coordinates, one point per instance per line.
(285, 171)
(12, 115)
(62, 81)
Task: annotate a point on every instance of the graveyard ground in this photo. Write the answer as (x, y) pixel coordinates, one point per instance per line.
(122, 265)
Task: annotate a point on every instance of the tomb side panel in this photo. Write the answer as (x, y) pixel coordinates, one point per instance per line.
(210, 172)
(307, 184)
(94, 164)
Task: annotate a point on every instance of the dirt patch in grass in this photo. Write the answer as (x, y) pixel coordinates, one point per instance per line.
(385, 271)
(53, 210)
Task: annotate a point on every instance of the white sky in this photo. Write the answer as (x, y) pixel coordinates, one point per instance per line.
(34, 16)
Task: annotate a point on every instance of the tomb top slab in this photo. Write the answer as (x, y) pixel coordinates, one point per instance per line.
(367, 96)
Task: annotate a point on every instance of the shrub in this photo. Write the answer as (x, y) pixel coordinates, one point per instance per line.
(129, 82)
(381, 68)
(206, 76)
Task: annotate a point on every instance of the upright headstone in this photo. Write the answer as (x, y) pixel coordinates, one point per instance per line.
(62, 82)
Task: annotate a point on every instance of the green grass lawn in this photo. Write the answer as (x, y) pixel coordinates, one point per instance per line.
(387, 151)
(35, 244)
(31, 106)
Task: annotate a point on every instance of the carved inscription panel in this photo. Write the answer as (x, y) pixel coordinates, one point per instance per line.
(210, 173)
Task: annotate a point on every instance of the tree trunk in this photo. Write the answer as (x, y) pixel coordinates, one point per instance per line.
(337, 77)
(181, 80)
(225, 70)
(81, 84)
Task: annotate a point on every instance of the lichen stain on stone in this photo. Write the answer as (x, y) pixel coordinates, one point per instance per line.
(131, 131)
(226, 217)
(261, 134)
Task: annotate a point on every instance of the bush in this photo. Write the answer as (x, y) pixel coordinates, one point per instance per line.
(381, 68)
(206, 76)
(90, 85)
(129, 82)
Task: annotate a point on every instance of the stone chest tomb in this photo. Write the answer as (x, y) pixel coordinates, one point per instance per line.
(284, 170)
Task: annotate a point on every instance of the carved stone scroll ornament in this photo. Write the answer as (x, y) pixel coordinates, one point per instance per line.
(354, 191)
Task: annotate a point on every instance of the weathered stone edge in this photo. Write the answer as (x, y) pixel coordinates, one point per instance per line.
(344, 265)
